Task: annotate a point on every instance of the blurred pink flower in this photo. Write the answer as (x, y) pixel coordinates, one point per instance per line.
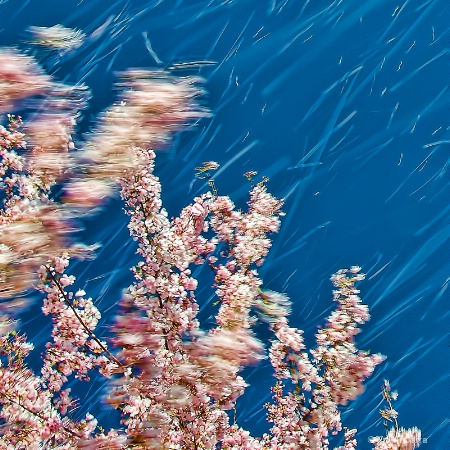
(20, 77)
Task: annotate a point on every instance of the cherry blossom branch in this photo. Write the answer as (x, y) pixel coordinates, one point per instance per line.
(174, 380)
(397, 437)
(40, 416)
(88, 331)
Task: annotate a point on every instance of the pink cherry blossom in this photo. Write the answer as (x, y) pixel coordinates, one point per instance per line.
(172, 381)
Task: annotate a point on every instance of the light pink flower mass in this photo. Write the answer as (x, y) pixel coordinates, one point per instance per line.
(173, 382)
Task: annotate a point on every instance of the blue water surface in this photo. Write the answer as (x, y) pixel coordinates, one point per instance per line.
(344, 105)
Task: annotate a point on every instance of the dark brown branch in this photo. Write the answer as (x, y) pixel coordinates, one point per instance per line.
(88, 331)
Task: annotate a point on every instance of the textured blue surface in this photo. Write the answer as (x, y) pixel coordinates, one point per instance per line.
(344, 105)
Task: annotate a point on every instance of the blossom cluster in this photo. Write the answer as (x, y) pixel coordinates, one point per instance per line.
(173, 381)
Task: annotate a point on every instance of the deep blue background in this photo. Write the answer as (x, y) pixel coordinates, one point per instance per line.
(344, 105)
